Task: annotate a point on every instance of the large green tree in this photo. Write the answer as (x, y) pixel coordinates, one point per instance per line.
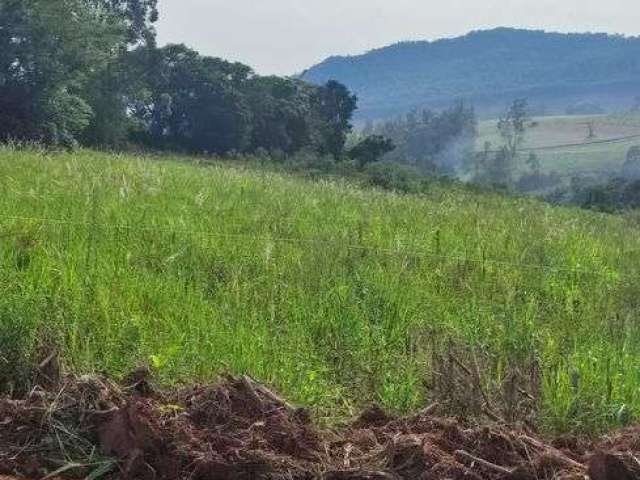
(138, 17)
(280, 114)
(335, 106)
(48, 51)
(112, 89)
(52, 52)
(195, 103)
(512, 127)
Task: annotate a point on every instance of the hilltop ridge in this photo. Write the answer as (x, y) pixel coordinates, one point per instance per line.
(489, 68)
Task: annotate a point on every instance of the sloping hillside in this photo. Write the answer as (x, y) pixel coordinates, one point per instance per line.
(490, 68)
(338, 296)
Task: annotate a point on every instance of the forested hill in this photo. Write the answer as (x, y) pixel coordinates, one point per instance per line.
(554, 71)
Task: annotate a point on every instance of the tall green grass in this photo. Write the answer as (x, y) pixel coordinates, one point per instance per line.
(336, 295)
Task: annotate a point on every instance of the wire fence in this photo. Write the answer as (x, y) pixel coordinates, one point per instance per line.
(310, 241)
(570, 145)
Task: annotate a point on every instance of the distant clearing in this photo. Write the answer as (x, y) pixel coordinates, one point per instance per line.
(563, 144)
(566, 131)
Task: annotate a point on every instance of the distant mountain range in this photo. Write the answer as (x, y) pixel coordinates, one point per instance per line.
(556, 72)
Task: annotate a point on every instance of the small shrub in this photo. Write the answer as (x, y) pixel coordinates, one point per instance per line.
(392, 176)
(371, 150)
(311, 163)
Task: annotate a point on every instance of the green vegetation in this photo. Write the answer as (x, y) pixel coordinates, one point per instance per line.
(89, 72)
(338, 296)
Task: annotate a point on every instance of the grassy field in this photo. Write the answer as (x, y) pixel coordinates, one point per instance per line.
(336, 295)
(556, 141)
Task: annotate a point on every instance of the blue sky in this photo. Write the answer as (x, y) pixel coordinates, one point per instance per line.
(287, 36)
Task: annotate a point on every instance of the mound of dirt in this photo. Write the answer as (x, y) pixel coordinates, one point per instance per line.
(240, 429)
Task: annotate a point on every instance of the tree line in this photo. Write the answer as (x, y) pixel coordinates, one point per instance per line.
(89, 72)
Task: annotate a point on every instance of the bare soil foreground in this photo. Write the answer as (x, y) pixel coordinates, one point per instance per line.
(239, 429)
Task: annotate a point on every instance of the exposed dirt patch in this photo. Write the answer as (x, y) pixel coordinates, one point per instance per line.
(239, 429)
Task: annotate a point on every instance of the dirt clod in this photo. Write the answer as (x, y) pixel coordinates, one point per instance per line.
(614, 466)
(240, 429)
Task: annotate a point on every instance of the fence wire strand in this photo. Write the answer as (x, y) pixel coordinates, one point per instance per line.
(390, 252)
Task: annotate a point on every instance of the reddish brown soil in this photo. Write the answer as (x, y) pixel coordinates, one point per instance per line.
(241, 430)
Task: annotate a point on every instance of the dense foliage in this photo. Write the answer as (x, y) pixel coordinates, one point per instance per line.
(371, 150)
(89, 71)
(48, 51)
(555, 71)
(207, 105)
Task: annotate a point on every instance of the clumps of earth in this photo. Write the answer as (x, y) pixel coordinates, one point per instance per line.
(239, 429)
